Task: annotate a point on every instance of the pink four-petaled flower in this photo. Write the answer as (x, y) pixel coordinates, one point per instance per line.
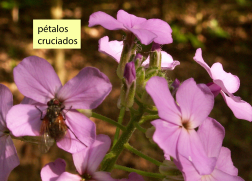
(175, 130)
(226, 84)
(37, 80)
(145, 30)
(211, 134)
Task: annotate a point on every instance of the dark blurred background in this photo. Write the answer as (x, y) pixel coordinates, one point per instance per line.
(223, 29)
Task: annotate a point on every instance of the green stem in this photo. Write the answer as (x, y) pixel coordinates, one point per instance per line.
(110, 159)
(148, 174)
(140, 128)
(98, 116)
(135, 151)
(120, 120)
(148, 118)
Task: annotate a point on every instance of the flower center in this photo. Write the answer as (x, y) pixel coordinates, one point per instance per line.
(86, 176)
(186, 124)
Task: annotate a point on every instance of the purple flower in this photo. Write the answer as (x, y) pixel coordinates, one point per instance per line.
(86, 163)
(145, 30)
(37, 80)
(8, 154)
(133, 177)
(175, 130)
(229, 84)
(129, 73)
(211, 134)
(114, 49)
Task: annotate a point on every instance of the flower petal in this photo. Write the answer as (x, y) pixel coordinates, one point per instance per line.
(166, 136)
(215, 89)
(240, 108)
(167, 62)
(135, 177)
(88, 160)
(97, 151)
(105, 20)
(6, 102)
(84, 130)
(65, 176)
(219, 175)
(24, 120)
(52, 170)
(211, 134)
(129, 20)
(195, 102)
(81, 160)
(86, 90)
(199, 59)
(36, 79)
(111, 48)
(102, 176)
(158, 89)
(187, 168)
(160, 28)
(225, 163)
(190, 146)
(8, 157)
(144, 36)
(228, 82)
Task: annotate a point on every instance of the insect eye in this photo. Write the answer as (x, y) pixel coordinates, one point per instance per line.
(56, 102)
(48, 103)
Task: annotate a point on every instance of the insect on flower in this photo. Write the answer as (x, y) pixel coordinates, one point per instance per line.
(54, 127)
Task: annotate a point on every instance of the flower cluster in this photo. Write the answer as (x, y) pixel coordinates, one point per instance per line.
(179, 112)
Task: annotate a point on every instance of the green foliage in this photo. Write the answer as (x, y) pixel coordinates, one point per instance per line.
(216, 30)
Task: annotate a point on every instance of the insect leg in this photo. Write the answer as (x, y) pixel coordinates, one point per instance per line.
(76, 136)
(41, 113)
(64, 114)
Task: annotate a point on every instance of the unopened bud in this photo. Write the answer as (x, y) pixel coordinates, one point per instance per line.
(138, 60)
(171, 172)
(155, 56)
(128, 88)
(140, 80)
(129, 73)
(175, 85)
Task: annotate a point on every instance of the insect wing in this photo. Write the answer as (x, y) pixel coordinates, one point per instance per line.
(47, 142)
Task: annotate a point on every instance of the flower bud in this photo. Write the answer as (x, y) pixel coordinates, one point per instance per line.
(170, 170)
(175, 85)
(155, 56)
(129, 73)
(128, 53)
(138, 60)
(128, 88)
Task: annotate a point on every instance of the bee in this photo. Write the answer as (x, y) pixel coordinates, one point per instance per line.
(54, 127)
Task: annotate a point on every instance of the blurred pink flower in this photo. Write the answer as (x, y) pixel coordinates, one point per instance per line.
(37, 80)
(132, 177)
(211, 134)
(145, 30)
(175, 130)
(8, 154)
(86, 163)
(114, 50)
(227, 84)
